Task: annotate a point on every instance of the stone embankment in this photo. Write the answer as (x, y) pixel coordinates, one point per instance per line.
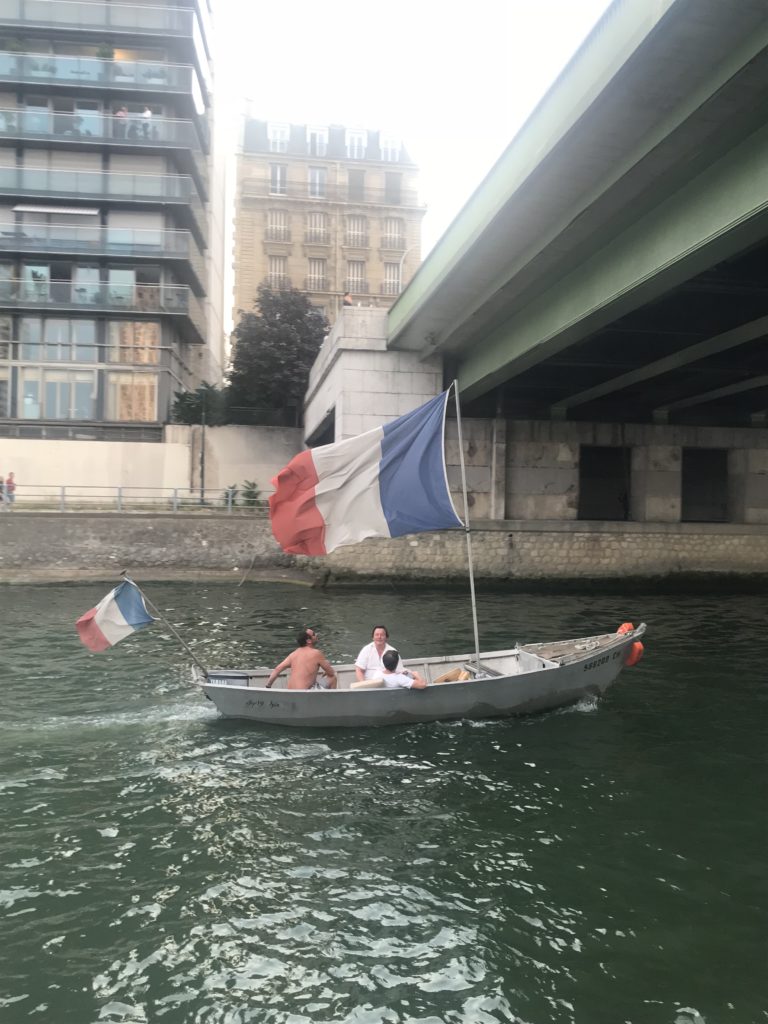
(51, 547)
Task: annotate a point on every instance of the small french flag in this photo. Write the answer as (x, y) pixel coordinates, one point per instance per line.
(115, 617)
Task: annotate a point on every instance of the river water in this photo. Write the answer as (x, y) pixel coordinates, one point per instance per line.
(597, 865)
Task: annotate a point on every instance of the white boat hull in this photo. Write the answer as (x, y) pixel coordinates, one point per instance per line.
(529, 679)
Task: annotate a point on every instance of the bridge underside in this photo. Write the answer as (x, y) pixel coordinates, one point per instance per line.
(696, 355)
(614, 264)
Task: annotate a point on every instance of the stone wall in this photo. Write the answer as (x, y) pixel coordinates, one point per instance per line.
(38, 546)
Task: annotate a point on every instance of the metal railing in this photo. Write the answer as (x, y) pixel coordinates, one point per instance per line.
(147, 500)
(133, 298)
(104, 240)
(98, 17)
(61, 69)
(43, 182)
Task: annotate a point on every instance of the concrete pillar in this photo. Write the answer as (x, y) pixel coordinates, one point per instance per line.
(542, 479)
(498, 495)
(655, 484)
(748, 485)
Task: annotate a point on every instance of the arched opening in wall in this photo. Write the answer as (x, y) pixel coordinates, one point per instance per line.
(604, 482)
(704, 485)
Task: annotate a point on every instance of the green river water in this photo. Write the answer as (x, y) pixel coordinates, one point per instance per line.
(599, 865)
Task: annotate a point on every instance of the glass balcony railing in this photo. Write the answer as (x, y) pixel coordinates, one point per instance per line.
(138, 19)
(98, 240)
(41, 182)
(55, 69)
(153, 299)
(94, 127)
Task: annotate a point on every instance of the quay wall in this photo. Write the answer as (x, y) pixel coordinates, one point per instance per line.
(40, 546)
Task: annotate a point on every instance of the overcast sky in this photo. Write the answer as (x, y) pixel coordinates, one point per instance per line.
(456, 83)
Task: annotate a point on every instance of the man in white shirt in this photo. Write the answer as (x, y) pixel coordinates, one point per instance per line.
(395, 680)
(368, 664)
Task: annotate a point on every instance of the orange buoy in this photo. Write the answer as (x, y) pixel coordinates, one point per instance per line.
(635, 651)
(633, 654)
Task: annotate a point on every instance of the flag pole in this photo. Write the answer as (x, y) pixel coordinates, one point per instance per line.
(467, 532)
(165, 621)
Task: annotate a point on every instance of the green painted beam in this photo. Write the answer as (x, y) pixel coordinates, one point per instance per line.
(701, 350)
(716, 215)
(660, 412)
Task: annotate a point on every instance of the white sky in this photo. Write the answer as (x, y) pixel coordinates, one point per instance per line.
(455, 82)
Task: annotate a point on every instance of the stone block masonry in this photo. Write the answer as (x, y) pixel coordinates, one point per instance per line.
(40, 546)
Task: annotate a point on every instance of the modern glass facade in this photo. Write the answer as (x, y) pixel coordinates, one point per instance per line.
(104, 216)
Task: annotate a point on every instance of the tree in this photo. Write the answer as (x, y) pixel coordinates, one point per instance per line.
(189, 405)
(274, 349)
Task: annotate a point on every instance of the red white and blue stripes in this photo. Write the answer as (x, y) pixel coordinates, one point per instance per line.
(114, 618)
(387, 482)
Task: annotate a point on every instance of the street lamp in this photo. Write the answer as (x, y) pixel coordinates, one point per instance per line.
(400, 271)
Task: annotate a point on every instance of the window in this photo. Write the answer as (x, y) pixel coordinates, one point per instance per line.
(316, 280)
(57, 394)
(391, 285)
(7, 284)
(133, 341)
(4, 393)
(132, 397)
(356, 142)
(277, 226)
(277, 136)
(278, 179)
(390, 147)
(704, 485)
(604, 482)
(58, 340)
(356, 180)
(356, 276)
(317, 228)
(357, 230)
(393, 233)
(278, 268)
(393, 188)
(317, 141)
(317, 177)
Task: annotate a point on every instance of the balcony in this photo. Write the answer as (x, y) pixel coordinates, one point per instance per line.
(148, 299)
(30, 183)
(134, 19)
(41, 69)
(278, 281)
(390, 288)
(406, 198)
(277, 234)
(396, 242)
(355, 240)
(356, 287)
(96, 240)
(93, 128)
(317, 237)
(316, 284)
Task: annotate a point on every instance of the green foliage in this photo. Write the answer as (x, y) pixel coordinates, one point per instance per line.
(189, 406)
(274, 349)
(105, 51)
(250, 493)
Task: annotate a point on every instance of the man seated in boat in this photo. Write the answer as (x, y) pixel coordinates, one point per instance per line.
(368, 663)
(305, 662)
(394, 679)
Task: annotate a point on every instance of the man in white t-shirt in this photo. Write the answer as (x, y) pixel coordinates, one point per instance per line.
(395, 680)
(368, 664)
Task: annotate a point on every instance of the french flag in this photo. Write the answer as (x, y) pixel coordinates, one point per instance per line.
(114, 618)
(387, 482)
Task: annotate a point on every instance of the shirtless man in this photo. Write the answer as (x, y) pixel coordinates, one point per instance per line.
(304, 663)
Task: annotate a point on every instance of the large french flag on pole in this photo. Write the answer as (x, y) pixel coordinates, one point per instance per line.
(385, 483)
(114, 618)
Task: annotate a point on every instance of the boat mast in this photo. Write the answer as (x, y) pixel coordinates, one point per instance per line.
(467, 532)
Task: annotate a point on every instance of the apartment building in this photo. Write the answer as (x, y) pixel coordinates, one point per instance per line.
(111, 251)
(328, 210)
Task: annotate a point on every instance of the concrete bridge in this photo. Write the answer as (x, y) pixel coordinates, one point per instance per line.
(602, 298)
(613, 264)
